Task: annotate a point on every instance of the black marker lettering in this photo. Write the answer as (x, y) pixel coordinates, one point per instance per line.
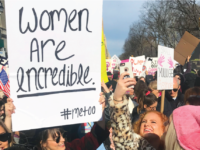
(58, 14)
(71, 20)
(62, 74)
(86, 75)
(37, 50)
(44, 44)
(28, 74)
(22, 79)
(28, 26)
(55, 71)
(58, 50)
(41, 87)
(46, 73)
(80, 18)
(41, 17)
(80, 73)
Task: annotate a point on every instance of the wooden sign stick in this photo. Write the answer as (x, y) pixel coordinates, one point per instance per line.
(162, 101)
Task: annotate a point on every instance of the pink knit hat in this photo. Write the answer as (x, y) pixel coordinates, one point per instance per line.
(187, 125)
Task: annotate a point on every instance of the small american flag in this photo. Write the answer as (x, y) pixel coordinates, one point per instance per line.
(4, 83)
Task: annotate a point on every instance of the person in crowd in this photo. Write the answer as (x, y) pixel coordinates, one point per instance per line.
(150, 78)
(179, 68)
(183, 131)
(140, 86)
(112, 82)
(167, 107)
(109, 74)
(174, 96)
(192, 96)
(182, 82)
(190, 79)
(195, 91)
(197, 81)
(5, 136)
(151, 122)
(147, 102)
(193, 100)
(52, 139)
(142, 78)
(123, 135)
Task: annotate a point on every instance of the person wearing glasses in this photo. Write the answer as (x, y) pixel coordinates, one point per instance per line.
(174, 96)
(147, 102)
(54, 139)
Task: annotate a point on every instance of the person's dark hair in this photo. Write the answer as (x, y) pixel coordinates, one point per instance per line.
(141, 78)
(193, 100)
(148, 100)
(178, 69)
(136, 78)
(198, 73)
(155, 76)
(140, 87)
(43, 134)
(4, 99)
(194, 91)
(115, 76)
(7, 131)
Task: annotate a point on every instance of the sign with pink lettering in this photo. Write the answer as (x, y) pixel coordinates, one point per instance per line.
(165, 68)
(137, 64)
(110, 64)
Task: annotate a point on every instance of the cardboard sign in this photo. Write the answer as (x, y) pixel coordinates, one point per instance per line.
(137, 64)
(52, 49)
(165, 68)
(185, 47)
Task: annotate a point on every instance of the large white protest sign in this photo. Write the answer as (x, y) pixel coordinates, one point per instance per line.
(137, 64)
(52, 48)
(165, 68)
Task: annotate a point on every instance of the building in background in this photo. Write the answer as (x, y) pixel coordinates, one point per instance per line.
(3, 37)
(107, 53)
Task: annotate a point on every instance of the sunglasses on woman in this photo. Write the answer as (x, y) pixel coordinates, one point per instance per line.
(5, 137)
(57, 139)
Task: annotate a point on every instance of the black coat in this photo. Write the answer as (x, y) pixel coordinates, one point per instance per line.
(197, 81)
(179, 101)
(135, 116)
(167, 107)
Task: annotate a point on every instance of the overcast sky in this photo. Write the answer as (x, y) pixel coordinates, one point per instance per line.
(118, 16)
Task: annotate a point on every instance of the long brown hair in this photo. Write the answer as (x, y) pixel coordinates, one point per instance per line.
(144, 99)
(10, 141)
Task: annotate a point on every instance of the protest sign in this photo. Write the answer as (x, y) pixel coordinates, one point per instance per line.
(124, 61)
(118, 61)
(52, 48)
(137, 64)
(165, 68)
(185, 47)
(110, 63)
(151, 64)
